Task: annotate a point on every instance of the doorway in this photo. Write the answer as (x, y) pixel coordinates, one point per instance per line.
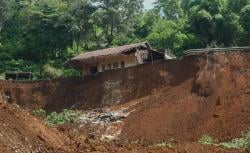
(93, 70)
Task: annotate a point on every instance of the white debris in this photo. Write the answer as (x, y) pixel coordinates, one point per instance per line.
(97, 117)
(106, 122)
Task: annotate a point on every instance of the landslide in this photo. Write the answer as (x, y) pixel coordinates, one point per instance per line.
(180, 100)
(22, 133)
(105, 89)
(215, 102)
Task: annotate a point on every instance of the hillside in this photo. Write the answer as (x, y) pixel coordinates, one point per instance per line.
(180, 100)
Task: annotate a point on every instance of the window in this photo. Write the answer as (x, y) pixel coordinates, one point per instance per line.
(115, 65)
(103, 67)
(109, 66)
(122, 64)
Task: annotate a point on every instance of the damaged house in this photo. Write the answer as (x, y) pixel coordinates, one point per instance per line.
(116, 58)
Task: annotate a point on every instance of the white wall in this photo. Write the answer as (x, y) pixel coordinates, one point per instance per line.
(129, 61)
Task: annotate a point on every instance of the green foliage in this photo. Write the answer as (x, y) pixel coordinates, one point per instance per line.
(39, 113)
(67, 116)
(33, 33)
(171, 8)
(206, 139)
(51, 72)
(239, 143)
(245, 18)
(237, 6)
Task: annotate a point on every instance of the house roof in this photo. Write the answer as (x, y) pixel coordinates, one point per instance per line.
(106, 52)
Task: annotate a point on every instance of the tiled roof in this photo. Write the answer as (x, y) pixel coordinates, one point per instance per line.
(111, 51)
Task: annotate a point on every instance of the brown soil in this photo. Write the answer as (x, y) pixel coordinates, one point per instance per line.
(106, 89)
(22, 133)
(215, 102)
(180, 100)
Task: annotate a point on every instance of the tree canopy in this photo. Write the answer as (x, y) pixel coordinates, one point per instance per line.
(48, 32)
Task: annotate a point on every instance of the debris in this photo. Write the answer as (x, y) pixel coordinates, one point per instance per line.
(97, 117)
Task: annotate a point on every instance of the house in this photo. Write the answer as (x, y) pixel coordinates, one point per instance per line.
(115, 58)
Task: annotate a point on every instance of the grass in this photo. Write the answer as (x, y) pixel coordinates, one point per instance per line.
(206, 139)
(39, 113)
(163, 145)
(238, 143)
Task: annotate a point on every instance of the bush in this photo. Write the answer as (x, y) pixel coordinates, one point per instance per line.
(51, 72)
(67, 116)
(206, 139)
(39, 113)
(239, 143)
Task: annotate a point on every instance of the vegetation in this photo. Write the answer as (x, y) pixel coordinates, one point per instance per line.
(206, 139)
(238, 143)
(39, 36)
(39, 113)
(67, 116)
(164, 145)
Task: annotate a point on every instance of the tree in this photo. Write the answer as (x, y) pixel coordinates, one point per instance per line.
(245, 21)
(245, 18)
(145, 26)
(171, 8)
(227, 30)
(116, 16)
(212, 6)
(82, 13)
(48, 35)
(3, 12)
(169, 35)
(202, 24)
(237, 5)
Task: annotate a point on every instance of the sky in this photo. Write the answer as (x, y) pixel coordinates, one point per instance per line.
(148, 4)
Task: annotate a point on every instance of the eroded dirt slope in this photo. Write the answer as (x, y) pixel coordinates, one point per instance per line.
(106, 89)
(216, 102)
(181, 100)
(22, 133)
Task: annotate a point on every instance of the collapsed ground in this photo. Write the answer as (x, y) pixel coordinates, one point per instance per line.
(175, 102)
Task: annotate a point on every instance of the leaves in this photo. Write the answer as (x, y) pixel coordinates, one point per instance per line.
(50, 30)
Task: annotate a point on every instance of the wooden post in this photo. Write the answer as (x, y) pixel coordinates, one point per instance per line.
(152, 57)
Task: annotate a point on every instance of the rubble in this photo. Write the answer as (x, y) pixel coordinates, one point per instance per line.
(109, 123)
(103, 117)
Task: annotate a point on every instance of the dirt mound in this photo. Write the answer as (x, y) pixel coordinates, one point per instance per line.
(215, 102)
(22, 133)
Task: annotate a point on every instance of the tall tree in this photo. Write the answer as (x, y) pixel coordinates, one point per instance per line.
(237, 5)
(82, 13)
(48, 35)
(245, 21)
(116, 15)
(172, 9)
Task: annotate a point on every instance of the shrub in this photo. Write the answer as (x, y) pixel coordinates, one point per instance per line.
(239, 143)
(206, 139)
(163, 145)
(39, 113)
(51, 72)
(67, 116)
